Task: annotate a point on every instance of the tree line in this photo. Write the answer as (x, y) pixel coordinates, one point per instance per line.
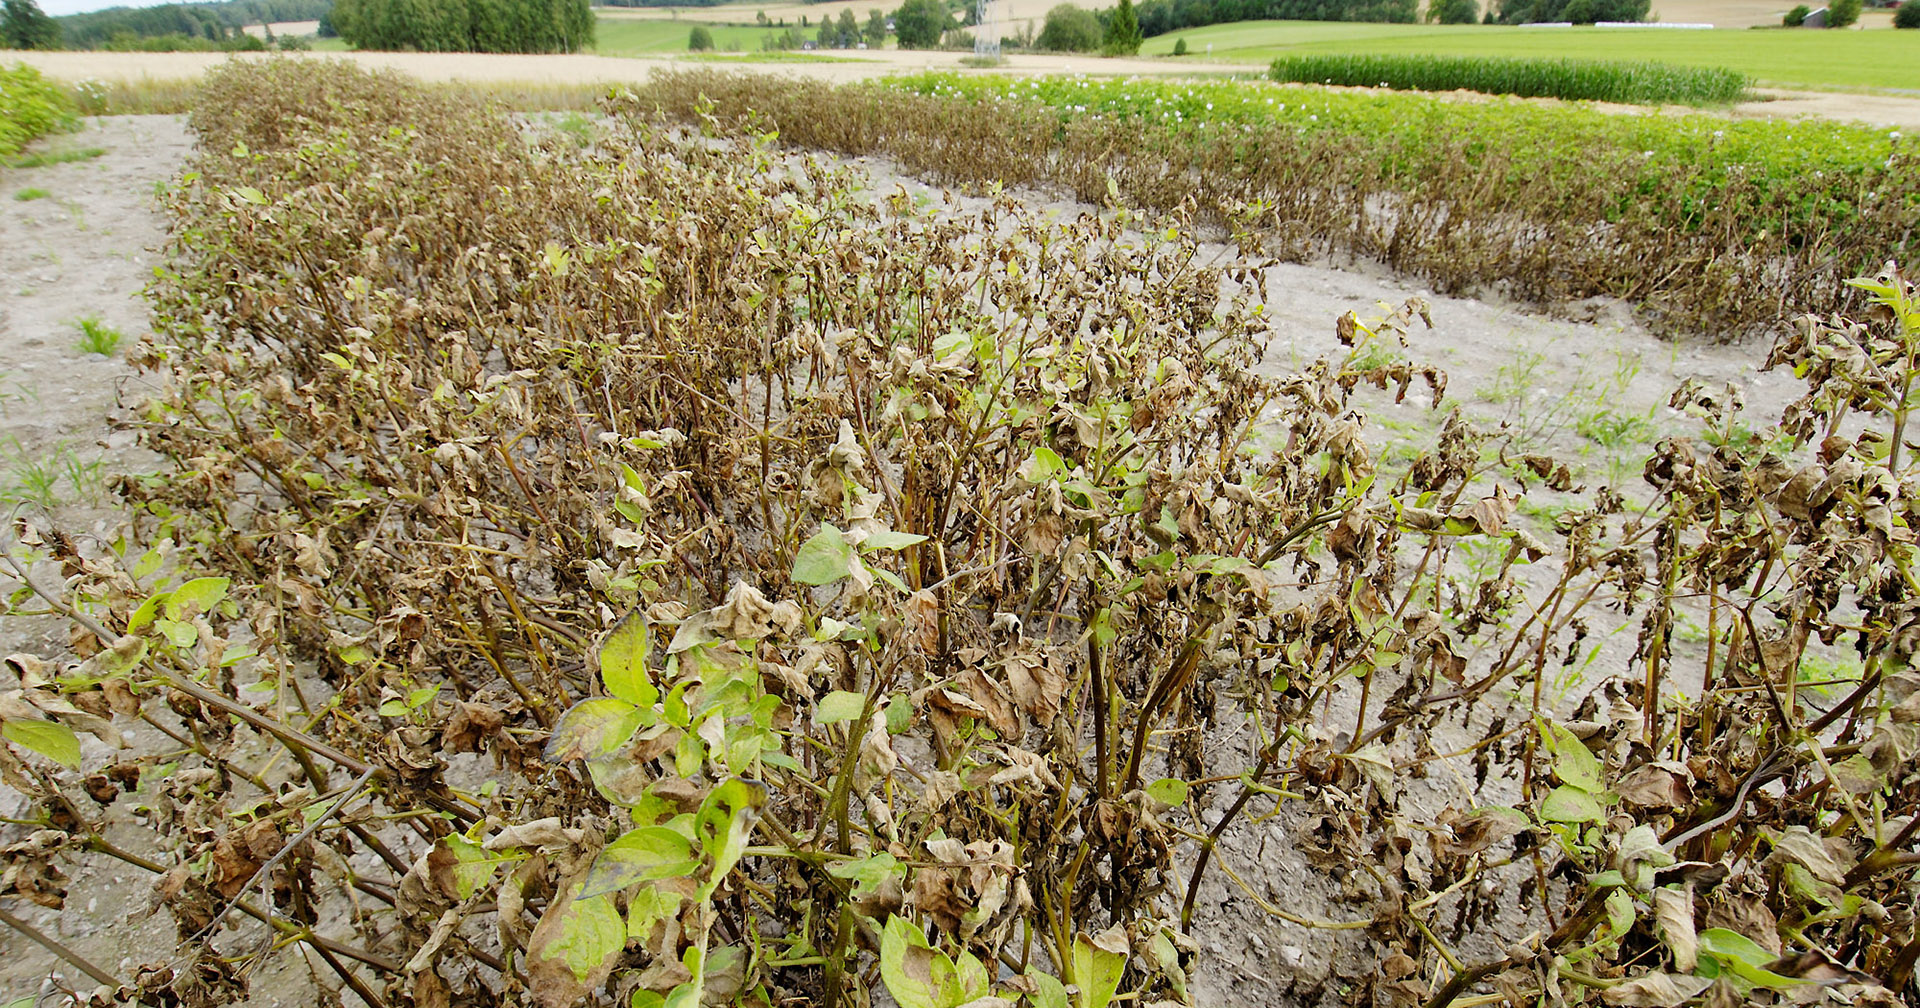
(502, 26)
(1157, 17)
(1577, 11)
(23, 25)
(210, 22)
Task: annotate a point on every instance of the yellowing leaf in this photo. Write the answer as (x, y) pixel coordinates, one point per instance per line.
(838, 706)
(1573, 762)
(888, 539)
(1098, 962)
(623, 662)
(476, 864)
(907, 965)
(574, 947)
(823, 559)
(1569, 804)
(195, 597)
(641, 855)
(51, 739)
(1168, 791)
(593, 728)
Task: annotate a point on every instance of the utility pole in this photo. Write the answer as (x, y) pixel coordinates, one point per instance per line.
(986, 29)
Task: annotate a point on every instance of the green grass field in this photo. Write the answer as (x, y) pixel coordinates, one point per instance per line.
(633, 37)
(1881, 59)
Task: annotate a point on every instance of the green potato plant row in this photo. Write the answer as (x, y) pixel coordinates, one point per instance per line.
(1571, 79)
(30, 107)
(1746, 220)
(649, 569)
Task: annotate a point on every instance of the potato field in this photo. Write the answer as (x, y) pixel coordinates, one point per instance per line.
(635, 560)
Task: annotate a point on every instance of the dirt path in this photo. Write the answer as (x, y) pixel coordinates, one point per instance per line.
(82, 250)
(76, 244)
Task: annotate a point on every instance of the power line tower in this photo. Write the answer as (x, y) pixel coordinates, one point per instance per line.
(986, 29)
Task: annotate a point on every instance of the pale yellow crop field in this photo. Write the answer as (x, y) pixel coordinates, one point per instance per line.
(134, 68)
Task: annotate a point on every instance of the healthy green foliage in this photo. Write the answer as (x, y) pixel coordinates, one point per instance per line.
(30, 107)
(42, 159)
(700, 39)
(1908, 16)
(1843, 13)
(1453, 11)
(1069, 28)
(919, 24)
(1795, 17)
(23, 25)
(1157, 17)
(97, 337)
(1876, 60)
(202, 26)
(527, 26)
(1122, 36)
(1577, 11)
(1579, 80)
(1603, 193)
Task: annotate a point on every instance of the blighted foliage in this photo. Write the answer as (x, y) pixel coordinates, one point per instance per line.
(725, 584)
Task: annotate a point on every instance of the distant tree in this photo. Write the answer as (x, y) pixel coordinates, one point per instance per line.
(1180, 47)
(527, 26)
(1070, 29)
(1158, 17)
(1796, 17)
(1123, 32)
(1908, 16)
(918, 24)
(1577, 11)
(23, 25)
(1841, 13)
(876, 31)
(1453, 11)
(326, 29)
(700, 40)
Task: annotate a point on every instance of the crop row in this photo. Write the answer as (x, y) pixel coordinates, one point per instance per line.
(716, 501)
(1582, 80)
(1710, 226)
